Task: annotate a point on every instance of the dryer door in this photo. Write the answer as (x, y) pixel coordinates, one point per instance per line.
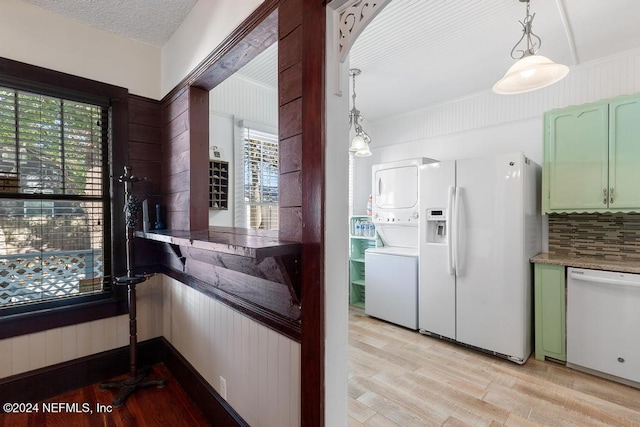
(396, 187)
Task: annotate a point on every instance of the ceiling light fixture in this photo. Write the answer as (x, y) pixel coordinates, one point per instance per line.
(360, 142)
(532, 71)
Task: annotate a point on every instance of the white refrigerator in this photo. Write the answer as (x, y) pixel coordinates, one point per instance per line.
(480, 224)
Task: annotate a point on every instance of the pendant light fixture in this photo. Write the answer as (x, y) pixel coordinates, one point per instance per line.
(532, 71)
(360, 142)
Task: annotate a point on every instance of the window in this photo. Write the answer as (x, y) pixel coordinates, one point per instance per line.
(54, 198)
(259, 181)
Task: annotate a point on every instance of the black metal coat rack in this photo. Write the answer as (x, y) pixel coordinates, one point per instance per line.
(136, 379)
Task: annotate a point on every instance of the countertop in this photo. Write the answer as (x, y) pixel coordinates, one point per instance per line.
(587, 262)
(229, 240)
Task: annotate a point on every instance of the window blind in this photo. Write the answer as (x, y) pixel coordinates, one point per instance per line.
(260, 176)
(53, 200)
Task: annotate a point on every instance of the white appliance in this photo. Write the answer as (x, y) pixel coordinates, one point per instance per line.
(603, 320)
(391, 277)
(391, 272)
(481, 225)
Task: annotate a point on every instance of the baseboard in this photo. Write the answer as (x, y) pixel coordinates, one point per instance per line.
(44, 383)
(41, 384)
(215, 409)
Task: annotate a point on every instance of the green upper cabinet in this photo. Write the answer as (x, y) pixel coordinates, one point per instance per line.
(592, 157)
(624, 153)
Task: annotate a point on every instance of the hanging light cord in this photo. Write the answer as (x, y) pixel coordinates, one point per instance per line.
(533, 41)
(354, 114)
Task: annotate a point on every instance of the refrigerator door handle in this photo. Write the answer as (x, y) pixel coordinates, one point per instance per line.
(456, 227)
(450, 258)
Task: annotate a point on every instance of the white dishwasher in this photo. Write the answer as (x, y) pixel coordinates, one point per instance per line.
(603, 323)
(391, 283)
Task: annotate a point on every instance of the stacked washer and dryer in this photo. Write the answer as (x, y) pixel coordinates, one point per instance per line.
(391, 271)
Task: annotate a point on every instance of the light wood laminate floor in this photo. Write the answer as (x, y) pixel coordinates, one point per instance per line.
(399, 377)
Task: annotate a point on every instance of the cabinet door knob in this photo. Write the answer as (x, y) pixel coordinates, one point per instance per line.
(604, 194)
(611, 195)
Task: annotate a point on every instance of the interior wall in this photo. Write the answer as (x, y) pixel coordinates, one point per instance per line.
(36, 36)
(336, 233)
(33, 351)
(260, 366)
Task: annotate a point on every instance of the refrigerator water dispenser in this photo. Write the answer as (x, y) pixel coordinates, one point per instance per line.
(437, 226)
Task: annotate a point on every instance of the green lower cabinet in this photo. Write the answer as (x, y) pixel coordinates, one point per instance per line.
(550, 312)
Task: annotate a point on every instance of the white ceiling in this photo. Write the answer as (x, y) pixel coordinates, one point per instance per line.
(418, 53)
(415, 53)
(151, 22)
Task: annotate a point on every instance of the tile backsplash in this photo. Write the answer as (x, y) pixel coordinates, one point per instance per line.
(614, 237)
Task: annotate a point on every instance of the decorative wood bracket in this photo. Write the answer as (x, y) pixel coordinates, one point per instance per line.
(178, 253)
(349, 20)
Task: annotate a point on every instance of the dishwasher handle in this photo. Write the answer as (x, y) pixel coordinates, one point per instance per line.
(605, 280)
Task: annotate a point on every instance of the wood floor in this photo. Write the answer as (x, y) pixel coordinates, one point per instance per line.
(399, 377)
(152, 407)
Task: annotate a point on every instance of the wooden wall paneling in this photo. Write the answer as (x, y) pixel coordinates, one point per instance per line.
(144, 111)
(290, 189)
(175, 152)
(290, 224)
(290, 84)
(290, 118)
(313, 40)
(289, 50)
(290, 121)
(292, 161)
(199, 158)
(145, 158)
(290, 12)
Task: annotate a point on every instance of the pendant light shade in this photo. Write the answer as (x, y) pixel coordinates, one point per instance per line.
(530, 73)
(364, 152)
(357, 143)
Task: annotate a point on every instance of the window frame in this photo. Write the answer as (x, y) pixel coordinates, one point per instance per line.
(36, 317)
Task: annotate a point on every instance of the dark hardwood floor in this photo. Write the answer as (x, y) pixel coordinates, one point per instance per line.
(168, 406)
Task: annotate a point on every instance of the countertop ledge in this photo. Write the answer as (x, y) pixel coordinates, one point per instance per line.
(255, 244)
(587, 262)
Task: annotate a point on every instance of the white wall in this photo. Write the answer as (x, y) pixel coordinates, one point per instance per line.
(209, 22)
(261, 367)
(36, 36)
(336, 231)
(33, 351)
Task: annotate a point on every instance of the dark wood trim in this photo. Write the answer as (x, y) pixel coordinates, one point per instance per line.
(198, 158)
(214, 408)
(313, 188)
(41, 384)
(271, 319)
(50, 381)
(244, 242)
(29, 322)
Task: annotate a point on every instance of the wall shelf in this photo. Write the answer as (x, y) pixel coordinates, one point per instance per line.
(218, 185)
